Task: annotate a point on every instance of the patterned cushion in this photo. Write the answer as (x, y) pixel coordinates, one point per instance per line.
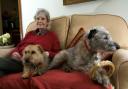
(77, 37)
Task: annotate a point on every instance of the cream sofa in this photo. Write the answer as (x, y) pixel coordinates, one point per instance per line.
(66, 28)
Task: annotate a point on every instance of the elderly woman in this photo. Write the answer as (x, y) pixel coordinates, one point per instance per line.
(41, 36)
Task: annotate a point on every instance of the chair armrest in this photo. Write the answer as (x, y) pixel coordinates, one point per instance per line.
(120, 76)
(4, 52)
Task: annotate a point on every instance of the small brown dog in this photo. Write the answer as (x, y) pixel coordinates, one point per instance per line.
(35, 61)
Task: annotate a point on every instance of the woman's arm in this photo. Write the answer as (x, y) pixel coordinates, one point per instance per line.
(55, 46)
(16, 50)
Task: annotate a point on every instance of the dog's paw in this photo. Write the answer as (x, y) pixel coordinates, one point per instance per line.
(97, 77)
(25, 75)
(106, 81)
(42, 70)
(110, 86)
(35, 73)
(67, 68)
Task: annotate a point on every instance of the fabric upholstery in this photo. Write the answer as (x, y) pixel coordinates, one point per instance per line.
(53, 79)
(60, 26)
(67, 31)
(115, 24)
(120, 77)
(77, 37)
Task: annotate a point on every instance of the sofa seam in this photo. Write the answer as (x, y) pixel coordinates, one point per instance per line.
(68, 29)
(118, 74)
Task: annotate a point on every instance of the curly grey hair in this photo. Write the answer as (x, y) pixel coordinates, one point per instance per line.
(46, 13)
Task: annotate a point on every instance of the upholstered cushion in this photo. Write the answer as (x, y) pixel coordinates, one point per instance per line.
(31, 26)
(59, 26)
(120, 77)
(115, 24)
(77, 37)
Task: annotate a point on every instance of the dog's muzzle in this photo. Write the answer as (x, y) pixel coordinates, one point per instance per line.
(117, 45)
(27, 60)
(113, 46)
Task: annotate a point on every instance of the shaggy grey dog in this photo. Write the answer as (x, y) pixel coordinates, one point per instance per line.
(86, 53)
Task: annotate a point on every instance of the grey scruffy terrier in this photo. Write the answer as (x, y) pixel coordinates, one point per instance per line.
(86, 53)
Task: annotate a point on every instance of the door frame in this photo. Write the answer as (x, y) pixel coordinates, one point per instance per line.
(20, 19)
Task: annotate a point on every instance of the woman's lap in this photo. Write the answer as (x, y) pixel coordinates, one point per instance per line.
(9, 65)
(61, 80)
(53, 79)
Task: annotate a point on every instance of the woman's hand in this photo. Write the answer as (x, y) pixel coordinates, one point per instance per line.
(47, 53)
(16, 55)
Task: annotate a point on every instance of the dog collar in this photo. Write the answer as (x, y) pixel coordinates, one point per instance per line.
(86, 44)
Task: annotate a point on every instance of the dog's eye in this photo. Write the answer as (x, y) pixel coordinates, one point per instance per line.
(25, 52)
(33, 52)
(105, 37)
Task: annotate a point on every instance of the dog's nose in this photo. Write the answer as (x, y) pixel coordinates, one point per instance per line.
(27, 60)
(117, 45)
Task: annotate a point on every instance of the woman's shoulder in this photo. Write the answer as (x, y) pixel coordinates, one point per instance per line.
(30, 32)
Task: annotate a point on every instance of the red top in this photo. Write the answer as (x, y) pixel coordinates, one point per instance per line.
(49, 42)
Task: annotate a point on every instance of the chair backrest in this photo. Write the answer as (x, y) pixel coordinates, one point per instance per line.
(116, 25)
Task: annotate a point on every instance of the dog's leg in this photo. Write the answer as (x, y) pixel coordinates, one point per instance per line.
(97, 77)
(59, 59)
(106, 80)
(35, 72)
(102, 78)
(26, 70)
(42, 69)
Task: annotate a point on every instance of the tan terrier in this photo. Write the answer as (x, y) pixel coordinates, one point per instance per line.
(35, 61)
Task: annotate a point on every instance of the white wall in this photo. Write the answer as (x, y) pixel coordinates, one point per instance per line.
(55, 7)
(115, 7)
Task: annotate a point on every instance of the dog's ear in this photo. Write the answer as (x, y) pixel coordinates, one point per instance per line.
(40, 48)
(92, 33)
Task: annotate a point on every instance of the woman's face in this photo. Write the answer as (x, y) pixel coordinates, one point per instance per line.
(41, 20)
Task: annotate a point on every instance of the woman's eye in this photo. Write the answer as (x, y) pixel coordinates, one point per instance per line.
(42, 18)
(37, 18)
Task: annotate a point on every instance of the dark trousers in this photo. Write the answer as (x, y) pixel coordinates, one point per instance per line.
(9, 65)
